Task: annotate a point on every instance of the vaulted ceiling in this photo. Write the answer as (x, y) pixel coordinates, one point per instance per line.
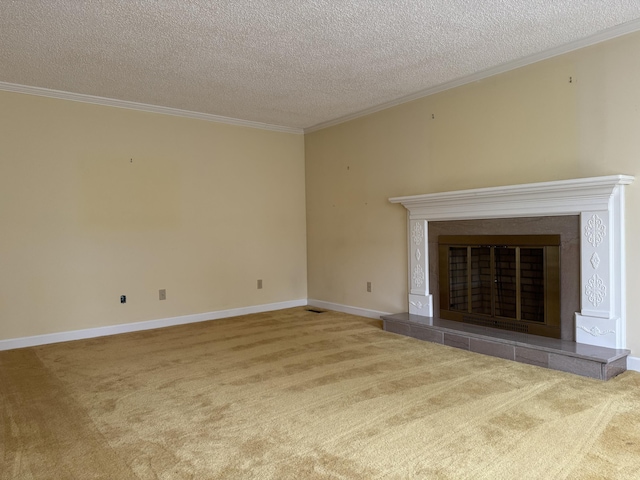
(284, 64)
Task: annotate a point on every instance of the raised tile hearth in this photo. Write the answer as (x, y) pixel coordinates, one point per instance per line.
(587, 360)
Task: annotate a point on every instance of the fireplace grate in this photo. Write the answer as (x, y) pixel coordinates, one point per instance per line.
(494, 323)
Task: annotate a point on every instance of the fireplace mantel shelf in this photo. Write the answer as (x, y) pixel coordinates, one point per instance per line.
(563, 197)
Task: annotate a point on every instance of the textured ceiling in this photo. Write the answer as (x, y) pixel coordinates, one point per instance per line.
(292, 63)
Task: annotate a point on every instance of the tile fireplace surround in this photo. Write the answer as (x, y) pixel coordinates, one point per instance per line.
(598, 201)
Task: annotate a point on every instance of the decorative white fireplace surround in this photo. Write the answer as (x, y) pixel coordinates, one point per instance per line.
(600, 203)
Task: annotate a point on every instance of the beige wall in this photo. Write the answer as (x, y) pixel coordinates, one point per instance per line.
(96, 202)
(527, 125)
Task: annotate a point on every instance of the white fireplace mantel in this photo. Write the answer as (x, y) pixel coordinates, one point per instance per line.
(599, 201)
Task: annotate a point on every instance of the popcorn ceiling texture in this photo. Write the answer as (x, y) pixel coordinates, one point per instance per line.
(284, 62)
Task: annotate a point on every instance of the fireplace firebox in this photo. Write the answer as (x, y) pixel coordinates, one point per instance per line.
(511, 282)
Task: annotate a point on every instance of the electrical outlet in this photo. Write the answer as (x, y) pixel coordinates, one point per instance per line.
(162, 294)
(259, 284)
(369, 287)
(123, 299)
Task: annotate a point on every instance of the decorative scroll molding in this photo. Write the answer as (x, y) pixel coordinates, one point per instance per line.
(417, 234)
(595, 331)
(601, 271)
(595, 231)
(418, 276)
(418, 304)
(418, 258)
(421, 305)
(596, 290)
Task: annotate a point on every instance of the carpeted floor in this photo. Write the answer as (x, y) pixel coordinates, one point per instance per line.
(299, 395)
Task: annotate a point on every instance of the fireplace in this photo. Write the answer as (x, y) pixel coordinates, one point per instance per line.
(599, 318)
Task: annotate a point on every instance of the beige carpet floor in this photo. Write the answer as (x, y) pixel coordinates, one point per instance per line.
(298, 395)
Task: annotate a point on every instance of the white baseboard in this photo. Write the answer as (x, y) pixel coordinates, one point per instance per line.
(633, 363)
(363, 312)
(139, 326)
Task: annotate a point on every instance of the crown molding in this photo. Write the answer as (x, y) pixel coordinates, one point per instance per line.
(143, 107)
(604, 35)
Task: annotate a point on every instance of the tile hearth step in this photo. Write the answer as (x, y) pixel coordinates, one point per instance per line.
(578, 358)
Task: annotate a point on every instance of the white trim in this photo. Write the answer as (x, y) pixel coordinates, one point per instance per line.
(603, 36)
(563, 197)
(362, 312)
(139, 326)
(633, 363)
(143, 107)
